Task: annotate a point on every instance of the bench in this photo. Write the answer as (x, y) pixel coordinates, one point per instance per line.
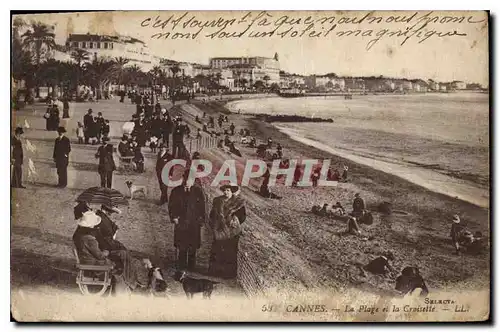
(125, 162)
(93, 275)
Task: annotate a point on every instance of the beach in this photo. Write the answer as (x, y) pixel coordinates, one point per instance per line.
(438, 141)
(292, 249)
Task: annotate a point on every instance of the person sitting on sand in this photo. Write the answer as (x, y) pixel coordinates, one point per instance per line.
(324, 210)
(380, 265)
(358, 206)
(338, 209)
(352, 226)
(410, 282)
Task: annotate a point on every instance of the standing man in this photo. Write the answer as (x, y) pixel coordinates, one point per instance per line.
(99, 123)
(187, 209)
(65, 108)
(163, 158)
(17, 159)
(166, 127)
(88, 122)
(62, 148)
(180, 130)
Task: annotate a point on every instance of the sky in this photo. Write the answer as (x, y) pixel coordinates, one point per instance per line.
(443, 59)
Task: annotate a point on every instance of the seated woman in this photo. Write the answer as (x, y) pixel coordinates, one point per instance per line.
(90, 245)
(338, 209)
(86, 237)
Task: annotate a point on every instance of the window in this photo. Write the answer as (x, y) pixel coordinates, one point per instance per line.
(91, 45)
(105, 45)
(82, 44)
(98, 45)
(75, 44)
(111, 45)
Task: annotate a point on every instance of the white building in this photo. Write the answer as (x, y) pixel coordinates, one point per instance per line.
(252, 68)
(135, 50)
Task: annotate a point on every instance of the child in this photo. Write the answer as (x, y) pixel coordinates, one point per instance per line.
(80, 133)
(153, 143)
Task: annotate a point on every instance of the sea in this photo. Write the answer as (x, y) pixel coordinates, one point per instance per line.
(437, 140)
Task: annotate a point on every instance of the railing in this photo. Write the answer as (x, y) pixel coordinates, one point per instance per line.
(248, 279)
(198, 144)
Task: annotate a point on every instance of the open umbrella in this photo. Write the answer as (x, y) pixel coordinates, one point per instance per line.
(101, 195)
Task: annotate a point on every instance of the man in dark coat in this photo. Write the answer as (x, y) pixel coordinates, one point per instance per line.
(17, 158)
(180, 131)
(358, 206)
(62, 148)
(163, 158)
(166, 129)
(106, 163)
(187, 208)
(88, 121)
(99, 123)
(65, 108)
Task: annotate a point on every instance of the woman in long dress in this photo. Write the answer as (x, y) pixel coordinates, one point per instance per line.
(227, 214)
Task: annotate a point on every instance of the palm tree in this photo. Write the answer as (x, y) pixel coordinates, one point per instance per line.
(39, 39)
(98, 74)
(79, 56)
(119, 69)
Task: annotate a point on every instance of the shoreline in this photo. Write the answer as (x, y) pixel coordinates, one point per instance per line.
(417, 176)
(456, 187)
(287, 223)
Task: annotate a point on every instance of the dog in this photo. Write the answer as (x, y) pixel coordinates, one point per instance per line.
(134, 189)
(192, 286)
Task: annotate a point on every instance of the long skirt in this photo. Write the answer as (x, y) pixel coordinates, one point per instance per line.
(135, 274)
(224, 258)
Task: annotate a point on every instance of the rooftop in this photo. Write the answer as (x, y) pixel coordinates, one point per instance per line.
(102, 38)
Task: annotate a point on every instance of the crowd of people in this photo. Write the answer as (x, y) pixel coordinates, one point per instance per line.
(188, 206)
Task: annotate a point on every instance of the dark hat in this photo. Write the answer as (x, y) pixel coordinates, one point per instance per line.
(124, 137)
(356, 195)
(61, 130)
(233, 188)
(19, 130)
(90, 110)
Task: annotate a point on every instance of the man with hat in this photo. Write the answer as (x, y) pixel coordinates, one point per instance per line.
(180, 130)
(62, 148)
(163, 158)
(188, 211)
(88, 121)
(17, 158)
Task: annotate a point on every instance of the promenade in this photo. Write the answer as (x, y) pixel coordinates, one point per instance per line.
(42, 215)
